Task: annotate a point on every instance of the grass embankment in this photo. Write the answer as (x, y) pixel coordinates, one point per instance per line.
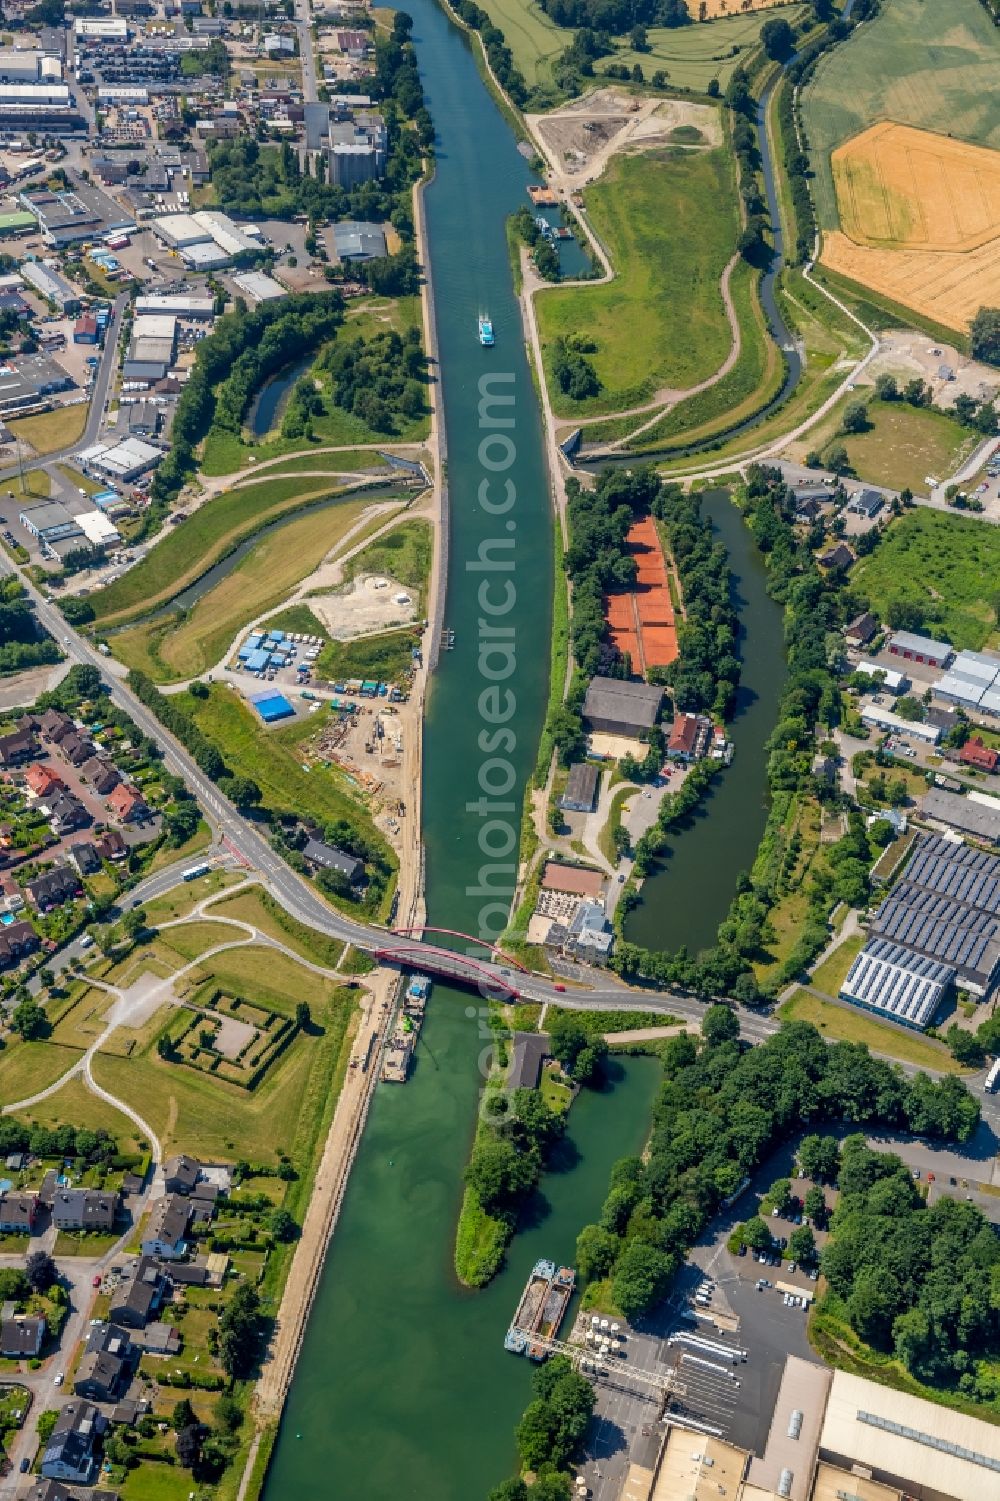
(943, 562)
(480, 1242)
(605, 839)
(261, 910)
(403, 555)
(183, 648)
(788, 915)
(837, 1345)
(891, 67)
(74, 1102)
(199, 1113)
(558, 654)
(755, 379)
(902, 445)
(669, 221)
(600, 1023)
(848, 1025)
(346, 461)
(49, 431)
(191, 548)
(693, 55)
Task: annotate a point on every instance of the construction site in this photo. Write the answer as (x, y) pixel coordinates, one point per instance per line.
(581, 137)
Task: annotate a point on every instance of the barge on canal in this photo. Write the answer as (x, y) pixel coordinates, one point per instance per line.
(541, 1310)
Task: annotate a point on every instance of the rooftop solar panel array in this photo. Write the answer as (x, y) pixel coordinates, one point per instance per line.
(893, 979)
(940, 923)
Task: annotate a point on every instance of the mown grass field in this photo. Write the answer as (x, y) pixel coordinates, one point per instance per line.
(532, 37)
(669, 221)
(190, 549)
(932, 65)
(948, 564)
(903, 445)
(51, 430)
(74, 1103)
(848, 1025)
(203, 1115)
(263, 579)
(693, 55)
(263, 912)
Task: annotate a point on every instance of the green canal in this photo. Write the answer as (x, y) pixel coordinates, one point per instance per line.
(689, 893)
(403, 1386)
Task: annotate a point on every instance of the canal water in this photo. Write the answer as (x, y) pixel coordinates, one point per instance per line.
(689, 893)
(269, 404)
(403, 1386)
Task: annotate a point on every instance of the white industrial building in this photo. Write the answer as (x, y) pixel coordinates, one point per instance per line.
(258, 287)
(179, 230)
(29, 66)
(97, 529)
(972, 680)
(888, 723)
(180, 305)
(46, 94)
(920, 649)
(50, 285)
(122, 94)
(892, 980)
(100, 29)
(123, 461)
(204, 240)
(892, 681)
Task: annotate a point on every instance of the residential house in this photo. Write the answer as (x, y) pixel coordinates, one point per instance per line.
(977, 753)
(54, 725)
(85, 857)
(328, 857)
(111, 845)
(840, 556)
(165, 1233)
(862, 629)
(180, 1174)
(84, 1209)
(808, 508)
(42, 781)
(139, 1298)
(77, 748)
(106, 1364)
(127, 805)
(67, 813)
(866, 503)
(56, 885)
(187, 1273)
(54, 1490)
(17, 746)
(159, 1339)
(16, 940)
(689, 737)
(581, 788)
(824, 769)
(102, 775)
(21, 1339)
(18, 1213)
(71, 1453)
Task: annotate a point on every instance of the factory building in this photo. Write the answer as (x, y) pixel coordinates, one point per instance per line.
(972, 680)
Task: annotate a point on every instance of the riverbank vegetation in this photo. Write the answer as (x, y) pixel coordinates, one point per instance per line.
(911, 1280)
(669, 220)
(933, 572)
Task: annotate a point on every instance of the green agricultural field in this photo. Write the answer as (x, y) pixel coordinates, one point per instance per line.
(692, 56)
(186, 647)
(199, 542)
(902, 445)
(669, 221)
(532, 37)
(927, 63)
(947, 564)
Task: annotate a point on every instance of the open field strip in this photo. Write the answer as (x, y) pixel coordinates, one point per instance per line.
(693, 55)
(901, 447)
(49, 431)
(930, 65)
(661, 322)
(946, 287)
(534, 39)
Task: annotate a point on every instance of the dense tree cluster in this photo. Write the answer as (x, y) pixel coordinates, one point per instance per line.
(243, 349)
(617, 16)
(23, 643)
(580, 1053)
(984, 335)
(381, 380)
(508, 1154)
(916, 1281)
(574, 373)
(499, 55)
(57, 1141)
(721, 1111)
(707, 672)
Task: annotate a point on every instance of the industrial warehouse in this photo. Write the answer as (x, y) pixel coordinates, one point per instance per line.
(939, 927)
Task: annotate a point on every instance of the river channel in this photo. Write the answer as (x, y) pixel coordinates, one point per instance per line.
(403, 1386)
(689, 893)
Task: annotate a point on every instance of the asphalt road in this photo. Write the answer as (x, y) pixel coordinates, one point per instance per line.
(303, 22)
(98, 397)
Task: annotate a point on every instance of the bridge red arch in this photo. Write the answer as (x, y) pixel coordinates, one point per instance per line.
(482, 943)
(438, 960)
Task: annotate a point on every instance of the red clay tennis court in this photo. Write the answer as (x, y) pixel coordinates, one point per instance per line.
(642, 622)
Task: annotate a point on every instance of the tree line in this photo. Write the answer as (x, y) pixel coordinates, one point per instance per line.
(706, 674)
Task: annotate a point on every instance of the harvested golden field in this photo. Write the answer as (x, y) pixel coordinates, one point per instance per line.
(920, 217)
(711, 10)
(912, 189)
